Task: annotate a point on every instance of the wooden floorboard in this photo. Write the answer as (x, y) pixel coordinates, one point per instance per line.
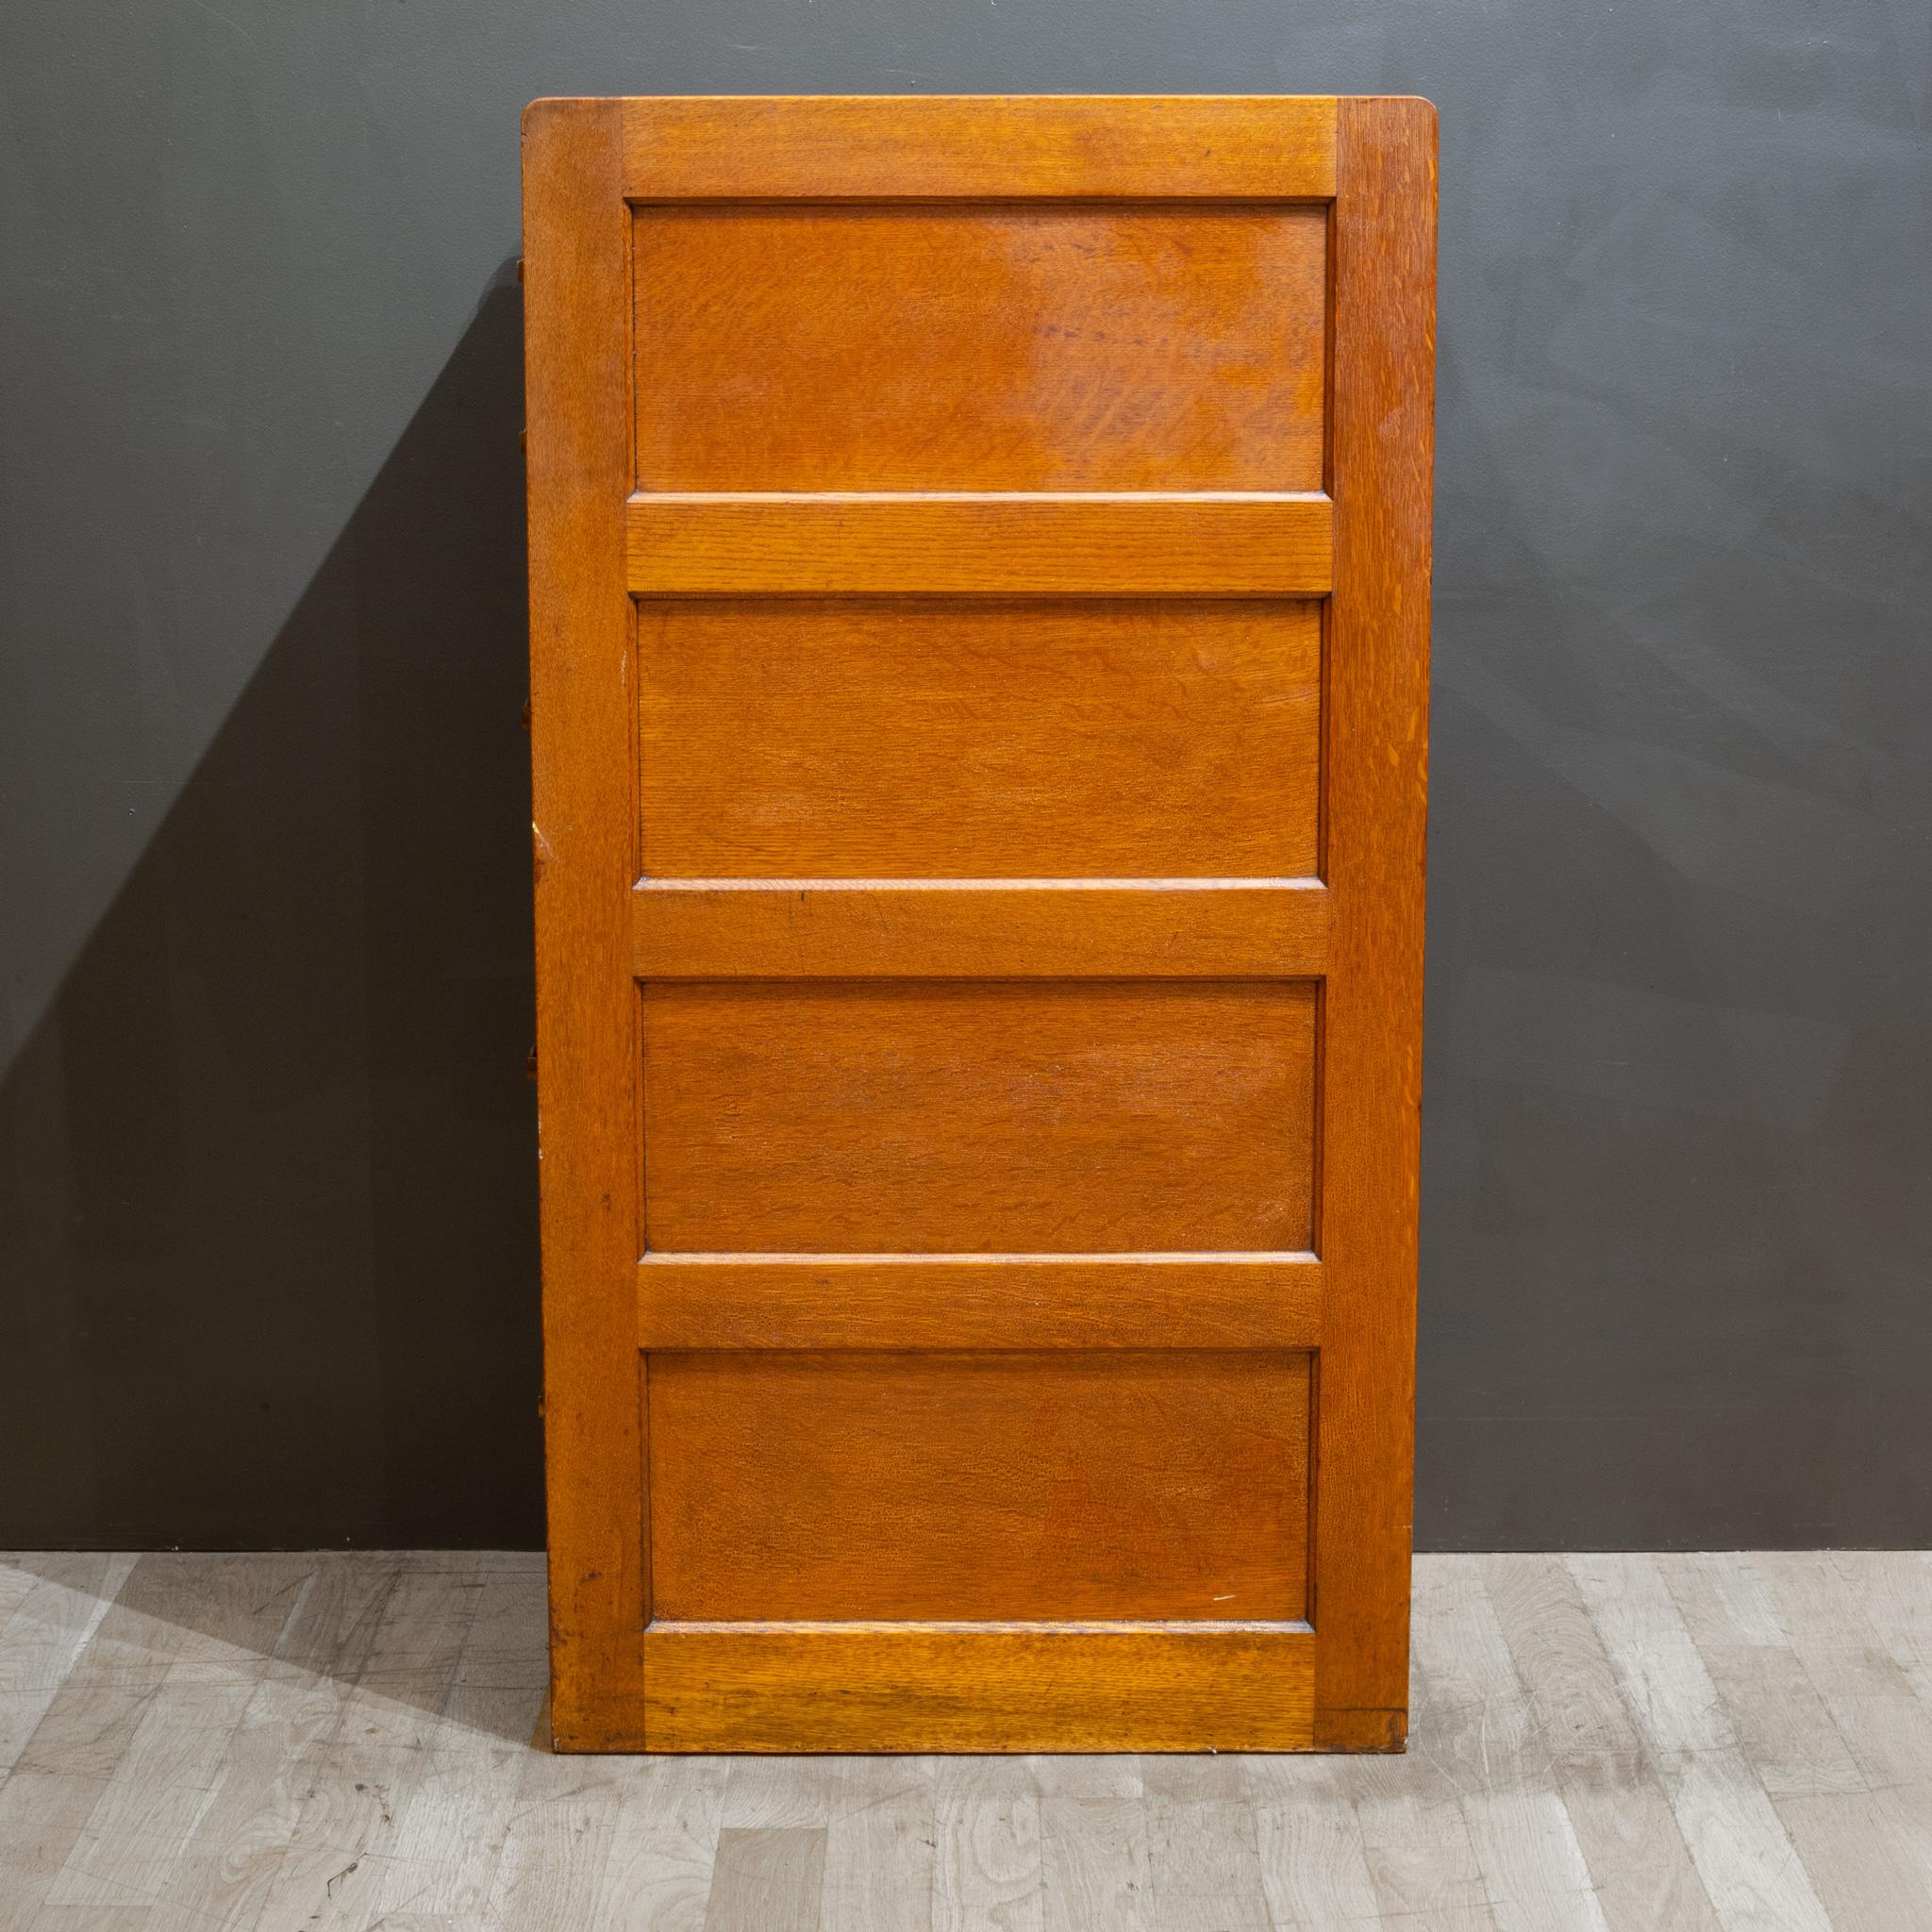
(347, 1741)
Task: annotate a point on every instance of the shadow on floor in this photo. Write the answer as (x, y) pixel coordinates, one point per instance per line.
(268, 1166)
(459, 1634)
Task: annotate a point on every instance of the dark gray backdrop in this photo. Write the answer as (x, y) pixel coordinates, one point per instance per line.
(267, 1212)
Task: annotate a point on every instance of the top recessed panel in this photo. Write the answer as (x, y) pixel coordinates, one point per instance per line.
(992, 345)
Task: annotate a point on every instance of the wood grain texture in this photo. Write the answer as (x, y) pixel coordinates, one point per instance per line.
(1010, 903)
(583, 789)
(935, 1302)
(978, 739)
(767, 1879)
(884, 148)
(442, 1857)
(1730, 1826)
(386, 1701)
(891, 1116)
(965, 544)
(1314, 1871)
(1377, 762)
(873, 1687)
(880, 1859)
(1639, 1865)
(556, 1866)
(59, 1770)
(986, 1865)
(1008, 345)
(670, 1823)
(963, 929)
(1093, 1856)
(788, 1486)
(1203, 1864)
(50, 1621)
(171, 1772)
(271, 1805)
(1481, 1731)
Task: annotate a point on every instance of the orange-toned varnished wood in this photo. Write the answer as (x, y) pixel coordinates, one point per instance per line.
(584, 828)
(991, 739)
(1010, 347)
(979, 634)
(1377, 776)
(896, 1116)
(980, 929)
(1110, 1686)
(944, 1302)
(1231, 544)
(1011, 1487)
(1091, 147)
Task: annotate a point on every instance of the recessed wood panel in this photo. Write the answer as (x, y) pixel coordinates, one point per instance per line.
(1005, 1486)
(905, 738)
(958, 1116)
(1014, 345)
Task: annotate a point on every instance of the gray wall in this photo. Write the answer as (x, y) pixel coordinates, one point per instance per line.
(267, 1216)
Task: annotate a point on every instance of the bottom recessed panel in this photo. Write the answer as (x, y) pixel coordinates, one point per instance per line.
(969, 1486)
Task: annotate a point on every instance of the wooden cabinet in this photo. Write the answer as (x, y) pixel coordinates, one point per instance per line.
(979, 633)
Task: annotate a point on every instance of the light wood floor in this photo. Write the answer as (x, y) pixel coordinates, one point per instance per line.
(343, 1740)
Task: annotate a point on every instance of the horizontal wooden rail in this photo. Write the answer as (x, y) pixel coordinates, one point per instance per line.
(1234, 544)
(948, 1686)
(1213, 1301)
(975, 929)
(900, 148)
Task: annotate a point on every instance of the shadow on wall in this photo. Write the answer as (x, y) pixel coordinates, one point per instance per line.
(270, 1169)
